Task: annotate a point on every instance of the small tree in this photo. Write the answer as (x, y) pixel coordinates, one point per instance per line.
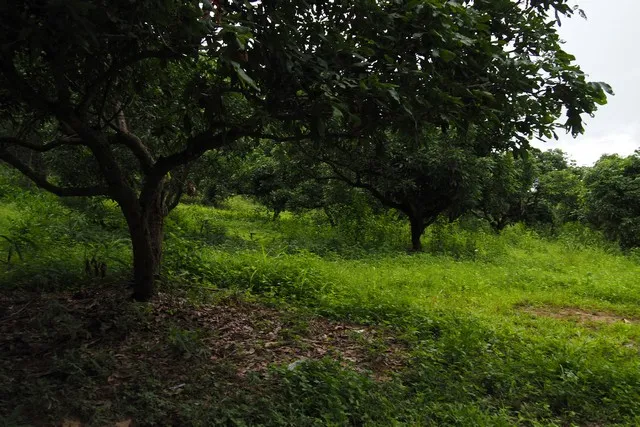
(537, 187)
(506, 189)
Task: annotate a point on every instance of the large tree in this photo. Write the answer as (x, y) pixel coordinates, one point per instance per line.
(129, 94)
(120, 97)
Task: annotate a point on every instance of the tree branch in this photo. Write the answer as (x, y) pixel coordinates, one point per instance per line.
(42, 182)
(176, 189)
(357, 183)
(277, 138)
(195, 147)
(116, 68)
(41, 148)
(136, 146)
(173, 201)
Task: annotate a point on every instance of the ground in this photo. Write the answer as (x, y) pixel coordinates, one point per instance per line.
(298, 323)
(92, 346)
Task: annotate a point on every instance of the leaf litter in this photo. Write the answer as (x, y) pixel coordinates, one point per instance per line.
(98, 344)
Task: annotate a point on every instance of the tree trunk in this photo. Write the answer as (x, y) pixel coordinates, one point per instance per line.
(147, 233)
(417, 228)
(327, 212)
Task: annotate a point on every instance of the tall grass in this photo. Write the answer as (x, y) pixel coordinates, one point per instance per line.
(45, 242)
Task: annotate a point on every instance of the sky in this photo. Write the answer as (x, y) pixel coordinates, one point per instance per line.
(606, 48)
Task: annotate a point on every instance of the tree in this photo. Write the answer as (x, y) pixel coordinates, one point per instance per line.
(550, 160)
(506, 189)
(484, 105)
(562, 192)
(557, 193)
(421, 179)
(536, 187)
(269, 177)
(613, 197)
(215, 176)
(135, 92)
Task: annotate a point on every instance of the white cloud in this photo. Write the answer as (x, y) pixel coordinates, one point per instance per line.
(586, 150)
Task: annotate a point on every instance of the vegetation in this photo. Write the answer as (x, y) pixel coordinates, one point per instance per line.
(134, 94)
(255, 165)
(612, 198)
(297, 322)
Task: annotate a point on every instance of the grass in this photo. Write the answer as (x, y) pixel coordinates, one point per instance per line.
(494, 329)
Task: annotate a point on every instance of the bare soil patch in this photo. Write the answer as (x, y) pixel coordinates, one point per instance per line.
(577, 314)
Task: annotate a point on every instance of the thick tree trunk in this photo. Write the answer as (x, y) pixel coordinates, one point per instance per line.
(417, 229)
(147, 233)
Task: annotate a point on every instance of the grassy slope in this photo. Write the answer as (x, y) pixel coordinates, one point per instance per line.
(490, 339)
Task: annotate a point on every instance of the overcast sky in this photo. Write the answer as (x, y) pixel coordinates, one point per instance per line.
(606, 48)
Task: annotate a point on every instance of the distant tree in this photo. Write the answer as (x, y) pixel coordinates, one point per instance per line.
(562, 194)
(132, 93)
(281, 181)
(550, 160)
(421, 179)
(536, 187)
(271, 178)
(214, 177)
(506, 190)
(613, 197)
(558, 190)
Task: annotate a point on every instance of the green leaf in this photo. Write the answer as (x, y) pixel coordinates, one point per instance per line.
(244, 77)
(447, 55)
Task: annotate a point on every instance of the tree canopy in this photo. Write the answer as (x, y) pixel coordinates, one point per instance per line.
(613, 197)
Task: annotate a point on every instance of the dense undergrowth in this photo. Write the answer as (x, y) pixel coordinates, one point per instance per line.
(522, 327)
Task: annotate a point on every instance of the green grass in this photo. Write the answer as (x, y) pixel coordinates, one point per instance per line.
(467, 308)
(480, 313)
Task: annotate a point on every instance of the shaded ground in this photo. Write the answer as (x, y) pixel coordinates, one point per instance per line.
(94, 356)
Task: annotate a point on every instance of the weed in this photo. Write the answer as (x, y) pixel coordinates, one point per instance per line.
(187, 343)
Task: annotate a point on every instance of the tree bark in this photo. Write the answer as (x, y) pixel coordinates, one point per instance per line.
(417, 229)
(146, 227)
